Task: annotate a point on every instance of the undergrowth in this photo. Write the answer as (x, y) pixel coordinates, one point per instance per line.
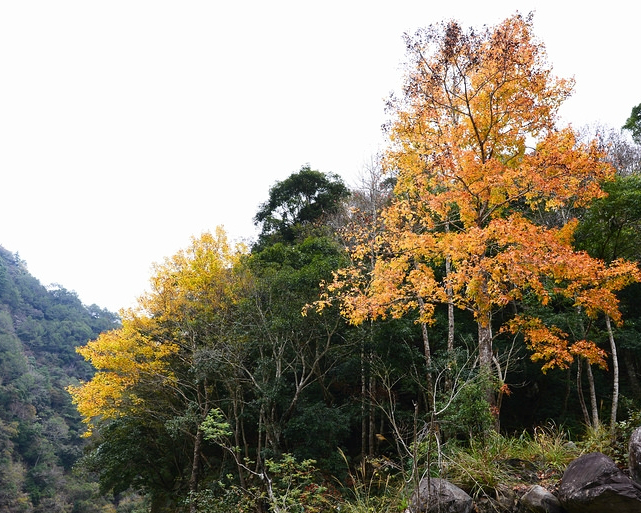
(487, 466)
(490, 467)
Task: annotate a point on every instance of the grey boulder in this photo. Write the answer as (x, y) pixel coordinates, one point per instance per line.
(436, 495)
(539, 500)
(594, 484)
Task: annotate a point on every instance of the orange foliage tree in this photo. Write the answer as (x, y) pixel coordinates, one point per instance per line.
(478, 159)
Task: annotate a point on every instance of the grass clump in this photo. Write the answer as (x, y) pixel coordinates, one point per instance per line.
(489, 466)
(374, 486)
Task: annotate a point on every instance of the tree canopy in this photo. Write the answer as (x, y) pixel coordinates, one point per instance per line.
(633, 123)
(477, 156)
(302, 199)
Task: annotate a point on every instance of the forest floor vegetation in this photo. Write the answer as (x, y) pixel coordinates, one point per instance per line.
(494, 469)
(489, 468)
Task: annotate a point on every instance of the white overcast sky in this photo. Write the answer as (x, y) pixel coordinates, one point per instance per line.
(126, 127)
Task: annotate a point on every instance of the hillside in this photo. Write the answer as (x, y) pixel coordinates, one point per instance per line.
(39, 427)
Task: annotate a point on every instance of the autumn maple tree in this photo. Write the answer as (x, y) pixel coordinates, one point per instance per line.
(479, 162)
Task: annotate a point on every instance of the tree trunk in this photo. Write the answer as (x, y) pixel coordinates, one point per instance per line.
(450, 319)
(195, 469)
(485, 354)
(593, 403)
(372, 421)
(594, 422)
(259, 449)
(450, 311)
(450, 299)
(485, 363)
(428, 358)
(485, 343)
(579, 387)
(615, 377)
(238, 434)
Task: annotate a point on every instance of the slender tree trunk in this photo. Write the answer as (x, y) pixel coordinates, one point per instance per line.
(485, 353)
(501, 392)
(449, 385)
(450, 299)
(195, 470)
(579, 387)
(615, 377)
(594, 422)
(485, 363)
(593, 403)
(415, 446)
(372, 421)
(259, 449)
(238, 434)
(428, 359)
(450, 313)
(485, 344)
(450, 319)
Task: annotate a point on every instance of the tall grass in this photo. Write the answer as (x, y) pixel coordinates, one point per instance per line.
(486, 466)
(489, 467)
(373, 487)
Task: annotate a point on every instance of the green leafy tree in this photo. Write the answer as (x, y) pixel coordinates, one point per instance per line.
(292, 356)
(611, 228)
(299, 202)
(633, 123)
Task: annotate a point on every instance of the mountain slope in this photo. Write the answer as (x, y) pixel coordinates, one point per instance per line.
(39, 427)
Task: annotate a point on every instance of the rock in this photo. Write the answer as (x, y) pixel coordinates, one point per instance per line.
(539, 500)
(635, 455)
(438, 495)
(503, 500)
(594, 484)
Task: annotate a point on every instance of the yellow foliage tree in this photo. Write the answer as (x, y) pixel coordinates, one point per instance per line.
(123, 359)
(153, 364)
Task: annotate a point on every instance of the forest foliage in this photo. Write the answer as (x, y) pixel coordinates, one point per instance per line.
(40, 429)
(481, 281)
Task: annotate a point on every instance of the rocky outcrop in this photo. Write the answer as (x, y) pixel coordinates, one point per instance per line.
(635, 455)
(435, 495)
(594, 484)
